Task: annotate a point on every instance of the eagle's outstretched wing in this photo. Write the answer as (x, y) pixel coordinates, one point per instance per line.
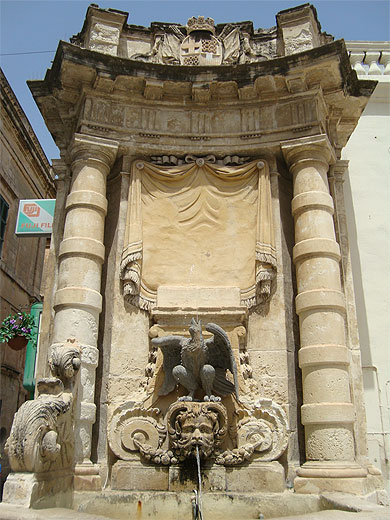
(221, 357)
(171, 348)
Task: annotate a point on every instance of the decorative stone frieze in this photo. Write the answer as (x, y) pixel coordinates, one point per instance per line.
(228, 160)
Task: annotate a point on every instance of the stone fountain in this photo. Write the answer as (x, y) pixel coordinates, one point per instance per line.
(193, 177)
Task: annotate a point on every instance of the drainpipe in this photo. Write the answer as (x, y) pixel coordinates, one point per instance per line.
(31, 351)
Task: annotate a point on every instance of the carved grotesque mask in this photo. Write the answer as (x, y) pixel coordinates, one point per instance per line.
(193, 425)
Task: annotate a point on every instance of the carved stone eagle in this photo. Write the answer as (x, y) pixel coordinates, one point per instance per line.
(197, 363)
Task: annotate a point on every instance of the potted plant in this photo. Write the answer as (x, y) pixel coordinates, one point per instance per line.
(17, 330)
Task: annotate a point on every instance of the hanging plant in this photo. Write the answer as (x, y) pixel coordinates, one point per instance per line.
(16, 325)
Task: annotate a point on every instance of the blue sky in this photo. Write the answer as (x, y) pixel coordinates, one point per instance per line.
(32, 26)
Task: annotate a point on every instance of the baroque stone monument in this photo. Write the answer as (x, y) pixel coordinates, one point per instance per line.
(193, 188)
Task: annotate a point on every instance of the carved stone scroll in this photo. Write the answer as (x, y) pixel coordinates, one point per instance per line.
(132, 426)
(262, 432)
(174, 215)
(34, 443)
(41, 437)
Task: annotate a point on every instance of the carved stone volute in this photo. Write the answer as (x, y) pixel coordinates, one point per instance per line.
(41, 437)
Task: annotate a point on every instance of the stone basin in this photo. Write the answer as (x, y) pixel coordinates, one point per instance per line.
(226, 506)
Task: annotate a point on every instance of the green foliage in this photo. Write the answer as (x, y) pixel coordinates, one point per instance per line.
(20, 324)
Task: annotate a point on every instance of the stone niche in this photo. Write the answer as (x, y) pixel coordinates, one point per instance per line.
(194, 178)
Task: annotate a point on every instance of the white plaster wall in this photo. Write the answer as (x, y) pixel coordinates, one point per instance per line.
(367, 200)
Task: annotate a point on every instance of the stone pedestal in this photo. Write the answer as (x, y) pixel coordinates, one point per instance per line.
(39, 490)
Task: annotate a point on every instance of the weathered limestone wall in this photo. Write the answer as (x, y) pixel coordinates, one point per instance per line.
(123, 337)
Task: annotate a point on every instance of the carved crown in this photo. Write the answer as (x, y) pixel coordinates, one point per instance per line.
(200, 24)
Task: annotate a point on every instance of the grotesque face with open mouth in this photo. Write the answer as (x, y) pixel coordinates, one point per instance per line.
(197, 425)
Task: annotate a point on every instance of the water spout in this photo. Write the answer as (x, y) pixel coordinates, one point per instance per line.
(197, 502)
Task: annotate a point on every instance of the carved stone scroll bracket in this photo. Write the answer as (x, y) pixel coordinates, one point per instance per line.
(132, 426)
(39, 439)
(262, 433)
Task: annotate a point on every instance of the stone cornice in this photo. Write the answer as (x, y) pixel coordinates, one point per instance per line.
(78, 74)
(242, 74)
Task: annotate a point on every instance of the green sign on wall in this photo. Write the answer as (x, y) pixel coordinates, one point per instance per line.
(35, 217)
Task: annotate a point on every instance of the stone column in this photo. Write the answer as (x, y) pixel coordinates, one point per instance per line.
(78, 301)
(327, 413)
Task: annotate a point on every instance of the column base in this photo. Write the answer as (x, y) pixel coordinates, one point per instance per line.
(344, 477)
(330, 469)
(87, 477)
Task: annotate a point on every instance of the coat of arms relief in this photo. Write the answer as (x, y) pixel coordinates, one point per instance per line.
(203, 46)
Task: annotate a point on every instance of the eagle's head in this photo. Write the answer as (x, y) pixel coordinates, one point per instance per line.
(195, 329)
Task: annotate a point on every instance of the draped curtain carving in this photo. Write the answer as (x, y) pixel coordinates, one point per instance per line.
(198, 224)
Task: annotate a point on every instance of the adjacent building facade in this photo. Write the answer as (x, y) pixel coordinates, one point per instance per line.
(25, 174)
(367, 189)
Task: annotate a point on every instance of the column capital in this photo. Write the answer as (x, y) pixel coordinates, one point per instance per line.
(338, 171)
(315, 148)
(84, 147)
(61, 170)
